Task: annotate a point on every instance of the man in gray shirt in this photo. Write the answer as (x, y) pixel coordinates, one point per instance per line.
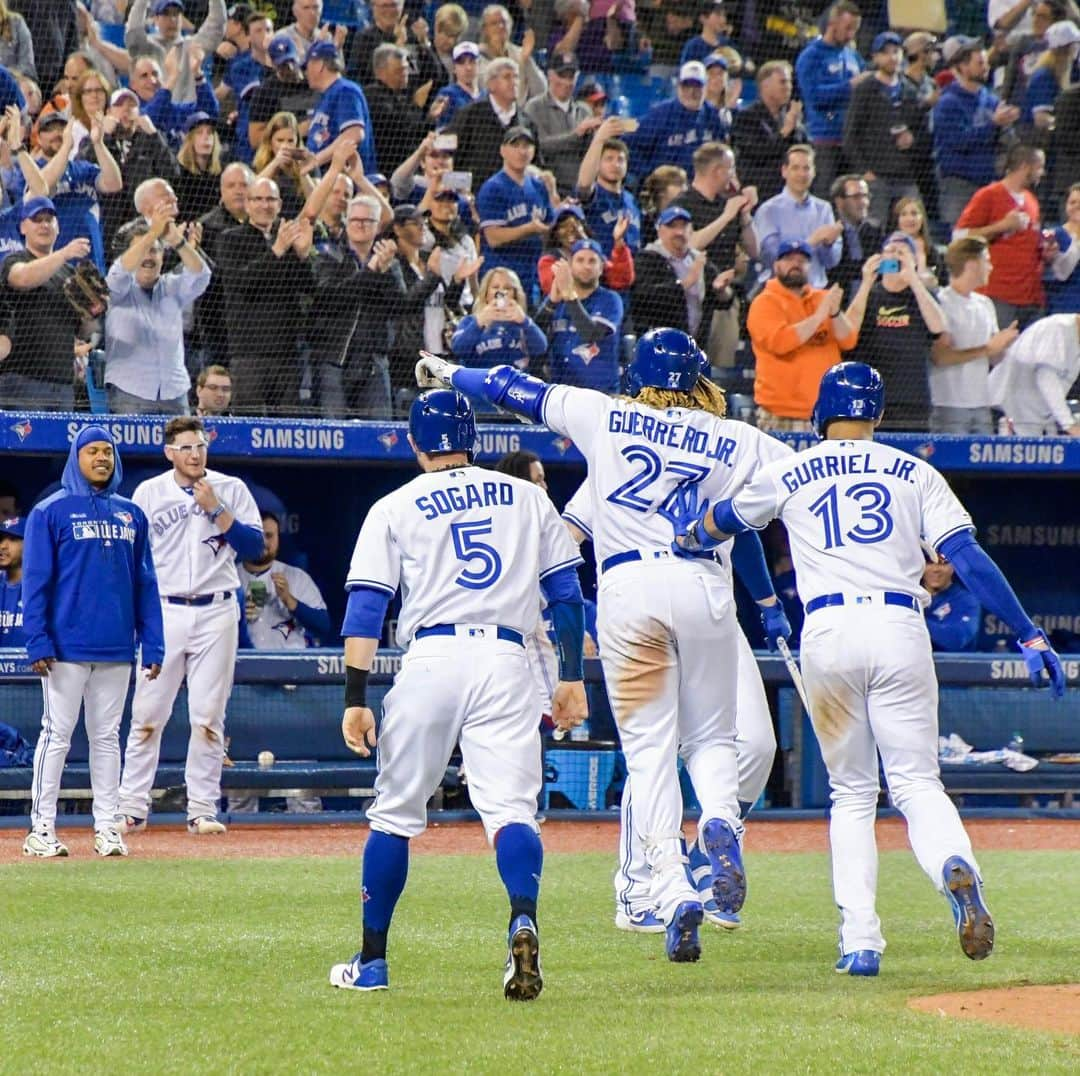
(563, 124)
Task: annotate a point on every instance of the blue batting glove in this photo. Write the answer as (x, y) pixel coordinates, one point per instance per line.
(1039, 657)
(687, 512)
(775, 623)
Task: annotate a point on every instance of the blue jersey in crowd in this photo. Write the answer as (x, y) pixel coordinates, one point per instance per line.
(78, 212)
(588, 366)
(10, 94)
(670, 133)
(89, 587)
(10, 237)
(965, 136)
(824, 73)
(11, 613)
(242, 75)
(697, 48)
(501, 342)
(342, 106)
(602, 211)
(952, 618)
(503, 202)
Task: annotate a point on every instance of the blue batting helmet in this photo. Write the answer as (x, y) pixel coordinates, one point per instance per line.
(441, 420)
(848, 390)
(664, 359)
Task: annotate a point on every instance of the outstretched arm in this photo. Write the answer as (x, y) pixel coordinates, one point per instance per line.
(502, 385)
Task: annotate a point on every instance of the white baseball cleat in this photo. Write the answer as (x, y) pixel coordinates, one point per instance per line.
(43, 844)
(128, 823)
(205, 825)
(108, 842)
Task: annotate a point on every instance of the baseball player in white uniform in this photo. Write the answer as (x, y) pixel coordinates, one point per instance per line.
(199, 521)
(857, 513)
(668, 637)
(470, 551)
(755, 740)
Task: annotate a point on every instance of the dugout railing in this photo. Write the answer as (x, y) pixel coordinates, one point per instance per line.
(289, 703)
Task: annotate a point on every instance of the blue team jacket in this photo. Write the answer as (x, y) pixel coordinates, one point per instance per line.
(89, 588)
(824, 73)
(11, 613)
(965, 138)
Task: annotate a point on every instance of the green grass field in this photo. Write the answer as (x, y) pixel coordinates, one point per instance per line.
(217, 966)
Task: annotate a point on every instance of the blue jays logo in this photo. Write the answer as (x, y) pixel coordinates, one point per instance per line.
(925, 451)
(563, 445)
(286, 627)
(586, 352)
(216, 543)
(388, 439)
(23, 429)
(124, 517)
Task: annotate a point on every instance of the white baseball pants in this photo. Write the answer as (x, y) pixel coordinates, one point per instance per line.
(872, 688)
(668, 645)
(200, 643)
(755, 744)
(478, 690)
(103, 686)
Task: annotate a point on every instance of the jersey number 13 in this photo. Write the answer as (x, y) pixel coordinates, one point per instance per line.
(875, 524)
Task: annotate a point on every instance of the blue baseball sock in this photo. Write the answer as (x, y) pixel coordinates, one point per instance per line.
(386, 867)
(519, 855)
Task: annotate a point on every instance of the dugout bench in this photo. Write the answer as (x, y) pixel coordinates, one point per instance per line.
(290, 703)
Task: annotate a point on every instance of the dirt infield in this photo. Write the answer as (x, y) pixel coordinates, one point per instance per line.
(1042, 1008)
(261, 841)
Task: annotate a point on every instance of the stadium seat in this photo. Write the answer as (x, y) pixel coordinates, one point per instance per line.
(95, 383)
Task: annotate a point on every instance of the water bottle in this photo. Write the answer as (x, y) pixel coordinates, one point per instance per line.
(1016, 743)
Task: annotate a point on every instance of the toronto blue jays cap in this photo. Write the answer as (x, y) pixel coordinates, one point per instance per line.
(33, 206)
(322, 50)
(793, 246)
(672, 214)
(283, 51)
(588, 244)
(464, 50)
(159, 7)
(716, 60)
(197, 119)
(571, 209)
(901, 237)
(13, 528)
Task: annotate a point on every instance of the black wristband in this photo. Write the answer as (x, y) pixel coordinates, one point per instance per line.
(355, 687)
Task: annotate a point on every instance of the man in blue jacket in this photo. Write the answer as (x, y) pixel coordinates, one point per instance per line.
(11, 558)
(953, 615)
(826, 70)
(90, 595)
(967, 121)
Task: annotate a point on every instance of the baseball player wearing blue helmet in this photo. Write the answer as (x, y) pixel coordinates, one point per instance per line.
(858, 515)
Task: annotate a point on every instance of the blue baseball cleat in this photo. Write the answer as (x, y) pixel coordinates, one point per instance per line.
(725, 920)
(700, 871)
(523, 979)
(682, 943)
(373, 975)
(864, 962)
(644, 922)
(974, 927)
(725, 859)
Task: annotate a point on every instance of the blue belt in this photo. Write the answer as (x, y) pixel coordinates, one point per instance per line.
(891, 597)
(631, 555)
(199, 599)
(507, 635)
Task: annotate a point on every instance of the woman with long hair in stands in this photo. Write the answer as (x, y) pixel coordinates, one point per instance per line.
(281, 157)
(90, 94)
(198, 185)
(661, 187)
(499, 329)
(16, 45)
(909, 217)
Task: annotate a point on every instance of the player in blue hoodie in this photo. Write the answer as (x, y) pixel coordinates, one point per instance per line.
(11, 556)
(90, 596)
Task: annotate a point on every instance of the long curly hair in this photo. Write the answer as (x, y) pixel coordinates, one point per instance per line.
(706, 395)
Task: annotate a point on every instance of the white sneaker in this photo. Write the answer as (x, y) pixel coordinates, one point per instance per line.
(108, 842)
(43, 844)
(128, 823)
(204, 825)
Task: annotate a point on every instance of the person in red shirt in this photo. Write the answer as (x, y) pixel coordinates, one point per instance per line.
(568, 228)
(1006, 215)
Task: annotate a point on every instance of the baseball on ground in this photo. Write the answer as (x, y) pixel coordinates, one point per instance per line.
(266, 759)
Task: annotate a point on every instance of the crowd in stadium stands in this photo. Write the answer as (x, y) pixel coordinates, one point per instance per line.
(287, 200)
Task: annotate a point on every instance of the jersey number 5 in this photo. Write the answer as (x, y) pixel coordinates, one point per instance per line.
(875, 524)
(485, 565)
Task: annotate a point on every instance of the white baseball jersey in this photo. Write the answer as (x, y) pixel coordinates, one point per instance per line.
(856, 513)
(1039, 367)
(465, 546)
(276, 628)
(191, 554)
(638, 456)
